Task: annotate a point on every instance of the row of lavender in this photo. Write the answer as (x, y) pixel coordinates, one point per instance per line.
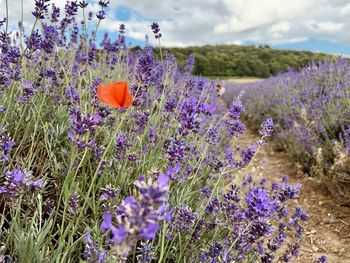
(83, 182)
(312, 110)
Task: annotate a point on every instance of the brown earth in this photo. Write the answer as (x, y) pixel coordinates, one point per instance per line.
(327, 232)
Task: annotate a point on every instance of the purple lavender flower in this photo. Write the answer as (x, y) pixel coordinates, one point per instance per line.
(153, 135)
(90, 16)
(81, 124)
(259, 229)
(236, 109)
(109, 192)
(267, 128)
(144, 68)
(176, 150)
(121, 144)
(231, 199)
(27, 92)
(41, 7)
(300, 214)
(138, 218)
(235, 128)
(292, 193)
(259, 203)
(277, 242)
(321, 259)
(346, 138)
(183, 219)
(247, 155)
(103, 3)
(156, 30)
(189, 115)
(132, 157)
(101, 15)
(55, 14)
(170, 104)
(146, 251)
(189, 63)
(13, 55)
(141, 119)
(33, 43)
(214, 251)
(267, 257)
(206, 191)
(174, 172)
(213, 135)
(51, 36)
(17, 181)
(121, 28)
(83, 4)
(73, 203)
(2, 22)
(92, 252)
(6, 145)
(71, 8)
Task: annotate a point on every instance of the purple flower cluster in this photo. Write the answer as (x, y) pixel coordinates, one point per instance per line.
(92, 251)
(137, 218)
(6, 145)
(183, 219)
(41, 7)
(27, 93)
(82, 126)
(311, 111)
(156, 30)
(257, 225)
(267, 128)
(176, 138)
(17, 181)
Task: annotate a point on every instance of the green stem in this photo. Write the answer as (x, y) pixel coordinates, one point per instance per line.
(162, 243)
(7, 18)
(20, 30)
(203, 210)
(85, 31)
(92, 184)
(160, 50)
(31, 33)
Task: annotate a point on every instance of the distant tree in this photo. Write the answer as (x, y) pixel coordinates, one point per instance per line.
(236, 60)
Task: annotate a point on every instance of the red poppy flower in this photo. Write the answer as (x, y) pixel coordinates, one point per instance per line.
(115, 94)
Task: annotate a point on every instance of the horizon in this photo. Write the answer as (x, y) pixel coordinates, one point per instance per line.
(297, 25)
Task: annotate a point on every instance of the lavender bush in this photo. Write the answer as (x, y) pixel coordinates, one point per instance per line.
(312, 110)
(155, 182)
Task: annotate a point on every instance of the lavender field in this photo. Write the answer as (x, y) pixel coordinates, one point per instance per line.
(312, 110)
(114, 155)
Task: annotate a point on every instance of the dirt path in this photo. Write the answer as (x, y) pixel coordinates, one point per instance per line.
(328, 230)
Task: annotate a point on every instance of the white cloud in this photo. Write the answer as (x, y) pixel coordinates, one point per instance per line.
(280, 29)
(345, 10)
(193, 22)
(326, 26)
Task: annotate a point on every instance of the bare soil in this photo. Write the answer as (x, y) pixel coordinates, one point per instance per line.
(327, 232)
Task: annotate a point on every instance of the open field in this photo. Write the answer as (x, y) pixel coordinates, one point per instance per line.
(328, 234)
(109, 154)
(242, 80)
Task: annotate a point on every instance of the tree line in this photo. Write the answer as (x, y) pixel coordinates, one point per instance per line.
(235, 60)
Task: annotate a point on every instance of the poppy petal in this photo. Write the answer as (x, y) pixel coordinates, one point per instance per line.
(115, 94)
(118, 91)
(128, 99)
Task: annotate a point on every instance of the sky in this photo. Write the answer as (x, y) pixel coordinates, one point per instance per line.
(315, 25)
